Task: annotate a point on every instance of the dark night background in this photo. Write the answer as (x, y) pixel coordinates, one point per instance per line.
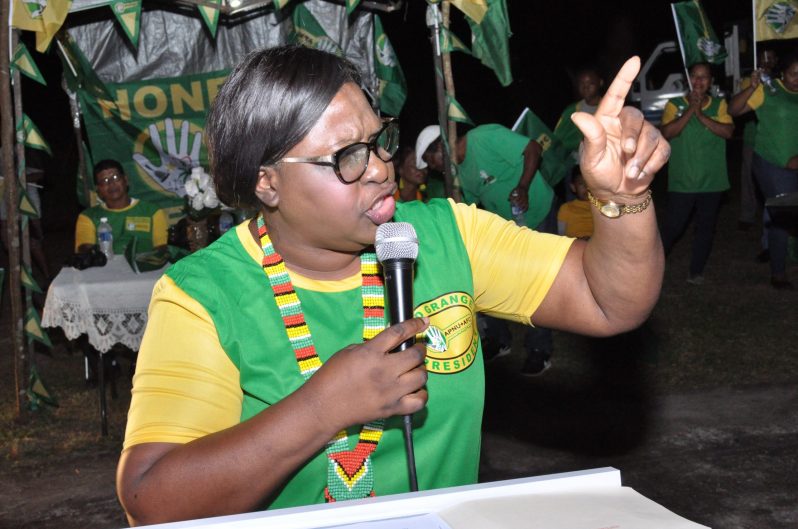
(550, 41)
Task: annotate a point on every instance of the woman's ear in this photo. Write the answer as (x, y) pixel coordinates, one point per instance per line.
(264, 187)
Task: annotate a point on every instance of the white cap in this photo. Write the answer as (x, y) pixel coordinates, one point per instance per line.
(428, 135)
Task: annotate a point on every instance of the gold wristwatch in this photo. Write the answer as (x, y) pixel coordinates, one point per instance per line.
(614, 210)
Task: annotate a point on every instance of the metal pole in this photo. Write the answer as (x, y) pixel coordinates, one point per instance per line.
(12, 199)
(433, 22)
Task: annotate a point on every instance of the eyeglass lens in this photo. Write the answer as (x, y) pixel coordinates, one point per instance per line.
(108, 179)
(353, 161)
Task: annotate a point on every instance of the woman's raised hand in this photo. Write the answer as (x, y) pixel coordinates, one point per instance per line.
(621, 151)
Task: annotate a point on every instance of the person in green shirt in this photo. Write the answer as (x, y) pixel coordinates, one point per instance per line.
(775, 160)
(266, 376)
(498, 170)
(589, 86)
(129, 217)
(749, 202)
(697, 126)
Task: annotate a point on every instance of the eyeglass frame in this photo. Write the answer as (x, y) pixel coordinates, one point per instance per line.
(331, 160)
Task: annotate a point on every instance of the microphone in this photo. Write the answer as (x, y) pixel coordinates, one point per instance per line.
(397, 248)
(396, 245)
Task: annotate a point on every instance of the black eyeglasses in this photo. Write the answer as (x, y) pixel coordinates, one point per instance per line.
(350, 162)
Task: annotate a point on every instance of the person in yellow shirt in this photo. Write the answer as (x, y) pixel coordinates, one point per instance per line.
(129, 217)
(574, 218)
(265, 377)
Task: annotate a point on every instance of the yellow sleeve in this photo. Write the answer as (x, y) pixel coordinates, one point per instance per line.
(513, 267)
(160, 228)
(723, 113)
(669, 114)
(85, 232)
(185, 386)
(757, 97)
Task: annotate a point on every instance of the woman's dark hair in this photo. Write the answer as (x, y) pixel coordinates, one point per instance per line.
(703, 64)
(108, 163)
(788, 60)
(268, 104)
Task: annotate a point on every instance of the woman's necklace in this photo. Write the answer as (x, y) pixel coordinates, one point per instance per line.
(350, 474)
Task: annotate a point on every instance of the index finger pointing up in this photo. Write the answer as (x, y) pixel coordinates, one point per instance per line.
(615, 98)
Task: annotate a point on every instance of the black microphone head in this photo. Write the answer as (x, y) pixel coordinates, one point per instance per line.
(396, 240)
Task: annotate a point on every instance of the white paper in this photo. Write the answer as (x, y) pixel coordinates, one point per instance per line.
(424, 521)
(614, 508)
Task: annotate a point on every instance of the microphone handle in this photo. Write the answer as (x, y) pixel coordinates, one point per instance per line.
(399, 289)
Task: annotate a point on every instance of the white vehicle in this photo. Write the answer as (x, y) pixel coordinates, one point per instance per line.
(661, 78)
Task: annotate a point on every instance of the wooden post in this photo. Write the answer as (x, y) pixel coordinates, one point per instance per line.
(448, 78)
(433, 22)
(16, 83)
(12, 215)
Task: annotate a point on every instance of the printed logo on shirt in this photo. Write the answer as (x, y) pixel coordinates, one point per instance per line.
(138, 223)
(451, 338)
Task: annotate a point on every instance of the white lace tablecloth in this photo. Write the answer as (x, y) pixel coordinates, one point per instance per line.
(107, 303)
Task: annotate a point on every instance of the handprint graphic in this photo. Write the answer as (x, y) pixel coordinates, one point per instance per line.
(176, 162)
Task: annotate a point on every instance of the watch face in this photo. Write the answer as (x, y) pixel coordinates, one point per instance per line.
(611, 210)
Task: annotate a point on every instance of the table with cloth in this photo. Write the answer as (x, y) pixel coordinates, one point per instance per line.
(108, 304)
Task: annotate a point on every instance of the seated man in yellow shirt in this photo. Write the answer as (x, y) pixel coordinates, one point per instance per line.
(128, 217)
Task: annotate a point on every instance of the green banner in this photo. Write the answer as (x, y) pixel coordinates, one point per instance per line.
(696, 36)
(154, 129)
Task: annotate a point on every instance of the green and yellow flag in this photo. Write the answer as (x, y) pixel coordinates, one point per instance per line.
(697, 39)
(474, 9)
(128, 13)
(31, 135)
(45, 17)
(309, 32)
(556, 161)
(23, 62)
(450, 42)
(38, 392)
(776, 19)
(393, 86)
(33, 327)
(78, 72)
(210, 14)
(456, 112)
(279, 4)
(489, 40)
(26, 278)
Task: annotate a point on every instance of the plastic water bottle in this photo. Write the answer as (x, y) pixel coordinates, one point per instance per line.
(768, 81)
(105, 238)
(225, 222)
(518, 215)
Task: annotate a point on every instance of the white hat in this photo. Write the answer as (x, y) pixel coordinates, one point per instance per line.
(428, 135)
